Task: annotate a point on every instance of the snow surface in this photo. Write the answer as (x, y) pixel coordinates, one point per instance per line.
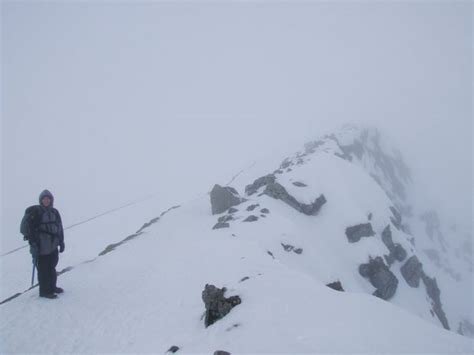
(145, 295)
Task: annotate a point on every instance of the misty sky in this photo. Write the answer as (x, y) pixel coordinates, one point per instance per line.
(105, 102)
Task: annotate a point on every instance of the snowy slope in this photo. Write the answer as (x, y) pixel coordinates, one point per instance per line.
(144, 295)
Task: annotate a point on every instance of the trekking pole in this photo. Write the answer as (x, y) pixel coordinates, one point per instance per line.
(33, 273)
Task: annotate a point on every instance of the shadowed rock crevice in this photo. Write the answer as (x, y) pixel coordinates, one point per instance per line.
(278, 192)
(217, 305)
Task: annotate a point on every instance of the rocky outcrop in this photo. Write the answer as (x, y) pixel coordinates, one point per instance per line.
(220, 225)
(260, 182)
(173, 349)
(336, 285)
(217, 305)
(223, 198)
(251, 218)
(434, 292)
(252, 207)
(299, 184)
(354, 233)
(397, 252)
(289, 247)
(278, 192)
(412, 271)
(265, 210)
(221, 352)
(380, 277)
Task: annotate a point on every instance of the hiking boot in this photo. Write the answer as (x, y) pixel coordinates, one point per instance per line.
(51, 296)
(58, 290)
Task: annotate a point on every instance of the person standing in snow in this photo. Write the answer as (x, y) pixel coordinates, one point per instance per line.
(43, 229)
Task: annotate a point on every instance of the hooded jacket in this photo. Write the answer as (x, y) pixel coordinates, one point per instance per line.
(50, 232)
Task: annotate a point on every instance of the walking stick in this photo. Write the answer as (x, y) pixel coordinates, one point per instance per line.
(33, 273)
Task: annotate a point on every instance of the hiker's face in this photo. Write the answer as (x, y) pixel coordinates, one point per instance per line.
(46, 201)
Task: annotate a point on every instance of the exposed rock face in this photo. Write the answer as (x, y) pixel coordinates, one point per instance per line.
(261, 181)
(220, 225)
(222, 198)
(173, 349)
(277, 191)
(336, 285)
(225, 218)
(252, 207)
(434, 292)
(354, 233)
(380, 277)
(217, 305)
(221, 352)
(412, 271)
(232, 210)
(397, 252)
(299, 184)
(289, 247)
(265, 210)
(251, 218)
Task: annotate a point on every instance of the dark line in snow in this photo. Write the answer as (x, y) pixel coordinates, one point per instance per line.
(108, 249)
(90, 219)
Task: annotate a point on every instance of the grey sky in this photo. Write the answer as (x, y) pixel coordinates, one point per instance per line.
(104, 102)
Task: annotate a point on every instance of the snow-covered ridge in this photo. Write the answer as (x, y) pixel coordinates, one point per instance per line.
(275, 238)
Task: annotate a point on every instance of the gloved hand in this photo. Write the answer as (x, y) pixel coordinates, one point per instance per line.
(34, 250)
(61, 247)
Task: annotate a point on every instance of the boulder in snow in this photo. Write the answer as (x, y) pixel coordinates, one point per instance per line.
(354, 233)
(251, 218)
(336, 285)
(222, 198)
(380, 277)
(412, 271)
(217, 305)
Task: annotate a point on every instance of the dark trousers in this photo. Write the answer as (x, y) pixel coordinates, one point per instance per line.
(47, 273)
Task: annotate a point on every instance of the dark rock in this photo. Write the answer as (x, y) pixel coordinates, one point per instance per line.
(380, 277)
(173, 349)
(278, 171)
(252, 207)
(288, 170)
(217, 305)
(336, 285)
(299, 184)
(220, 225)
(285, 164)
(271, 254)
(277, 191)
(221, 352)
(233, 326)
(298, 250)
(263, 215)
(251, 218)
(354, 233)
(261, 181)
(232, 210)
(287, 247)
(412, 271)
(434, 292)
(225, 218)
(369, 217)
(265, 210)
(222, 198)
(397, 252)
(244, 279)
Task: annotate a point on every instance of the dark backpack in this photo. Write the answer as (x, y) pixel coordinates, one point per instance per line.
(30, 222)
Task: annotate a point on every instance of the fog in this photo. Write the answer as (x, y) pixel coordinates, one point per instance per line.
(104, 103)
